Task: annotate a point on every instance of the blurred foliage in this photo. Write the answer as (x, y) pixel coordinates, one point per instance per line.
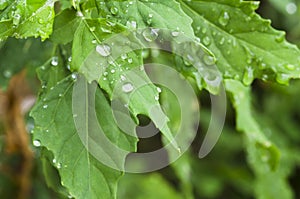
(227, 172)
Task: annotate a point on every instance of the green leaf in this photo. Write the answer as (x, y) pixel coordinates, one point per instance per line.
(31, 18)
(245, 45)
(80, 171)
(263, 155)
(16, 55)
(150, 13)
(114, 41)
(64, 27)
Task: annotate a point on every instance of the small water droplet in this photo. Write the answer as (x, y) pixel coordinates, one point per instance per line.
(156, 97)
(248, 76)
(158, 89)
(124, 56)
(127, 87)
(222, 41)
(206, 41)
(36, 143)
(54, 61)
(209, 60)
(74, 76)
(58, 165)
(290, 67)
(130, 60)
(283, 78)
(45, 106)
(16, 19)
(175, 33)
(114, 10)
(150, 34)
(280, 38)
(112, 71)
(224, 18)
(123, 78)
(103, 49)
(131, 24)
(92, 29)
(54, 161)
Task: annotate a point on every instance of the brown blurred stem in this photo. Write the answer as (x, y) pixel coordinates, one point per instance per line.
(16, 136)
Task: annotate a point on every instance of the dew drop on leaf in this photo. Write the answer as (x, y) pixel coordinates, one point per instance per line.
(291, 8)
(54, 61)
(130, 60)
(206, 41)
(248, 76)
(124, 56)
(16, 19)
(103, 49)
(290, 67)
(150, 34)
(114, 10)
(209, 60)
(45, 106)
(175, 33)
(36, 143)
(127, 87)
(224, 18)
(283, 78)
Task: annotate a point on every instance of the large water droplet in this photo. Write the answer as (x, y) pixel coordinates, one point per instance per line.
(54, 61)
(224, 18)
(248, 76)
(127, 88)
(103, 49)
(150, 34)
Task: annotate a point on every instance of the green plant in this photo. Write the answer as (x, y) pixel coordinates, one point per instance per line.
(84, 54)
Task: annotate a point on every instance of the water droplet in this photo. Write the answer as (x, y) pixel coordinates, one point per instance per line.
(290, 67)
(45, 106)
(124, 56)
(156, 98)
(175, 33)
(291, 8)
(103, 49)
(36, 143)
(206, 41)
(79, 14)
(58, 165)
(150, 34)
(280, 38)
(131, 24)
(222, 41)
(54, 61)
(74, 76)
(16, 19)
(92, 29)
(158, 89)
(112, 71)
(114, 10)
(127, 88)
(123, 78)
(54, 161)
(248, 76)
(283, 78)
(130, 60)
(224, 18)
(209, 60)
(75, 115)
